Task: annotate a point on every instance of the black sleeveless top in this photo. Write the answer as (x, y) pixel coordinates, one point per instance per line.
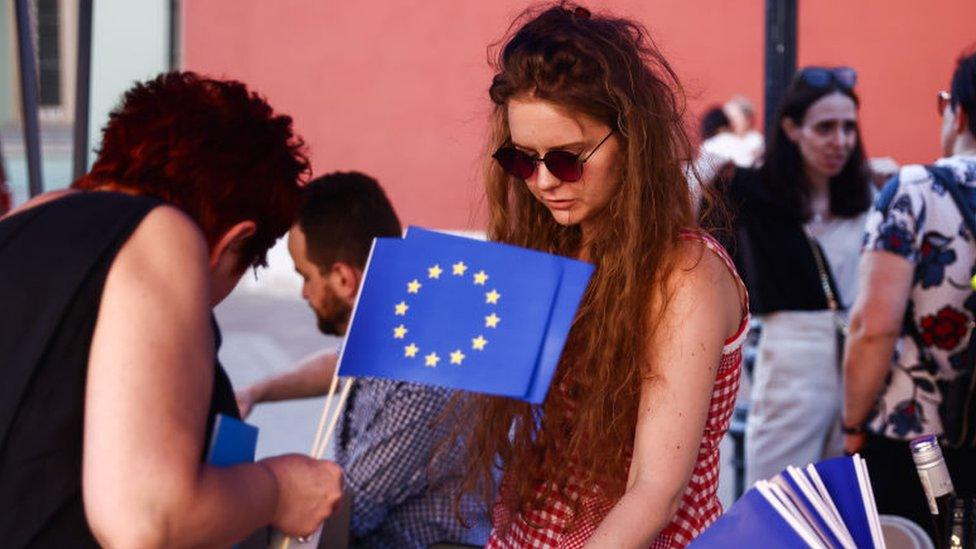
(54, 259)
(769, 247)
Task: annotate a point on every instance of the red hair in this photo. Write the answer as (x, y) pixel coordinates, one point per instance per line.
(607, 68)
(209, 147)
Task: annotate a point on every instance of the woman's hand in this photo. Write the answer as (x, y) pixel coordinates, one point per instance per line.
(309, 491)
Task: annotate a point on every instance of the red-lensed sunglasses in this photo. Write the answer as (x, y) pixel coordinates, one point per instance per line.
(942, 99)
(565, 165)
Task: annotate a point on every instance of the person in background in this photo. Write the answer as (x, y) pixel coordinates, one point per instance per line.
(108, 348)
(795, 231)
(714, 122)
(742, 117)
(723, 143)
(713, 160)
(919, 256)
(589, 162)
(401, 495)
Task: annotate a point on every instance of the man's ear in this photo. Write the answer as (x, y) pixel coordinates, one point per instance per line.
(345, 280)
(226, 255)
(791, 129)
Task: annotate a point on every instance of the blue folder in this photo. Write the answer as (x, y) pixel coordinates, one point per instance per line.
(233, 442)
(840, 478)
(821, 522)
(751, 519)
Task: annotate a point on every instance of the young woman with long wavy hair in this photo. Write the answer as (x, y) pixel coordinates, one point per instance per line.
(589, 155)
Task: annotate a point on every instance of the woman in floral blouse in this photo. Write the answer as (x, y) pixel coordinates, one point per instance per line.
(916, 305)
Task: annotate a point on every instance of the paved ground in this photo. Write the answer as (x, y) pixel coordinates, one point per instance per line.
(267, 328)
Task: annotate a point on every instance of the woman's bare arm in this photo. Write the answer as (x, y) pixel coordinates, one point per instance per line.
(704, 310)
(310, 378)
(885, 282)
(149, 386)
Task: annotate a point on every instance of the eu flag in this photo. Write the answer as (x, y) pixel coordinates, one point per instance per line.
(462, 313)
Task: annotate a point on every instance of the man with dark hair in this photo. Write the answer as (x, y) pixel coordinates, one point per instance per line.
(918, 258)
(401, 495)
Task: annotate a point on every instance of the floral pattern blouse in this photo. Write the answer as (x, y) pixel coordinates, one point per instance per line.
(916, 218)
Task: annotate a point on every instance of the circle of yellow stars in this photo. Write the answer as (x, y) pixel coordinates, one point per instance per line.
(434, 272)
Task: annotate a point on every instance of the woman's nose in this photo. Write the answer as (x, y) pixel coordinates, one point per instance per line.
(842, 136)
(544, 178)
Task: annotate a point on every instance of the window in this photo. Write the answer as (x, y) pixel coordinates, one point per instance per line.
(49, 52)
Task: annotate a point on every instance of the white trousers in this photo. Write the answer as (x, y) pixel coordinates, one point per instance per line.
(794, 417)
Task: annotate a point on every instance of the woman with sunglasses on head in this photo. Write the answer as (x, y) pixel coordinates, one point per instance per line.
(589, 163)
(796, 225)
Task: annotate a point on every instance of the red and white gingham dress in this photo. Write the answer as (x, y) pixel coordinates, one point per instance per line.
(699, 503)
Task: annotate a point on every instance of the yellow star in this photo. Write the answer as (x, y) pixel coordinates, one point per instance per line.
(492, 297)
(457, 357)
(480, 278)
(491, 321)
(459, 268)
(434, 272)
(410, 351)
(431, 360)
(478, 343)
(413, 286)
(399, 332)
(401, 308)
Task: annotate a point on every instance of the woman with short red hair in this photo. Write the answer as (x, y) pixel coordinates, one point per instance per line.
(108, 345)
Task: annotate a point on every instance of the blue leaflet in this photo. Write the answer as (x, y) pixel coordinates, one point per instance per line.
(840, 478)
(233, 442)
(782, 512)
(751, 520)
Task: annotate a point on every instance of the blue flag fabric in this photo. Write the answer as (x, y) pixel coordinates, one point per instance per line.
(462, 313)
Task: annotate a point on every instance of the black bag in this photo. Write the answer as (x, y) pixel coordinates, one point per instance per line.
(958, 408)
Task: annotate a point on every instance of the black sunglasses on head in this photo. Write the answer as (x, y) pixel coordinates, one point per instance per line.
(565, 165)
(821, 77)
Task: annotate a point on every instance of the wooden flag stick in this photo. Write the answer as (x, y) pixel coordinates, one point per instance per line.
(325, 412)
(335, 418)
(322, 442)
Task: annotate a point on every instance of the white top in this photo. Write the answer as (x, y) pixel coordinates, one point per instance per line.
(840, 239)
(744, 150)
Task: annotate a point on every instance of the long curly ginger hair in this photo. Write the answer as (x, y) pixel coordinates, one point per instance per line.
(610, 69)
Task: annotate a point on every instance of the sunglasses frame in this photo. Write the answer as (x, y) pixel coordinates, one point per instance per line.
(822, 77)
(578, 160)
(943, 99)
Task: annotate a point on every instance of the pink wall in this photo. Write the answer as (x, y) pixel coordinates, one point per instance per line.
(904, 52)
(398, 89)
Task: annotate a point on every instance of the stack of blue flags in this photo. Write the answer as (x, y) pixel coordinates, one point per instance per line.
(462, 313)
(829, 504)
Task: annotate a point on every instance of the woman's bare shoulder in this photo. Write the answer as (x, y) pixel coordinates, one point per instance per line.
(701, 273)
(166, 239)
